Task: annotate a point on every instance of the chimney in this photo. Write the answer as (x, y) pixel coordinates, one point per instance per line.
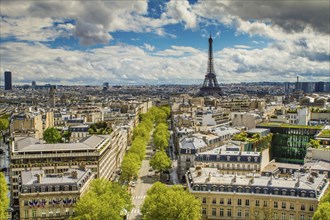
(82, 167)
(234, 178)
(298, 181)
(39, 178)
(74, 174)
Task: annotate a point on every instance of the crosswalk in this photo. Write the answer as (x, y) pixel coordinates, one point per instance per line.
(135, 211)
(139, 197)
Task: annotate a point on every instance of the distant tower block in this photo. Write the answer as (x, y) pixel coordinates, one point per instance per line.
(8, 81)
(52, 99)
(210, 85)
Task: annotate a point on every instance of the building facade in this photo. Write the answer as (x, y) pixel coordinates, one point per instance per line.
(255, 197)
(102, 154)
(51, 196)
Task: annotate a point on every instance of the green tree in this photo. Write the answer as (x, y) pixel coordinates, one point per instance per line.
(104, 200)
(130, 167)
(138, 147)
(52, 135)
(160, 161)
(322, 212)
(4, 200)
(170, 203)
(4, 124)
(314, 143)
(66, 135)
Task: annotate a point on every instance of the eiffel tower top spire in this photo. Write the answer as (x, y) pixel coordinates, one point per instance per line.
(210, 85)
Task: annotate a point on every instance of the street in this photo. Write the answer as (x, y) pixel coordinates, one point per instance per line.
(145, 181)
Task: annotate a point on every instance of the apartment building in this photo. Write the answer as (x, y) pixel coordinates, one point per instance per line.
(230, 159)
(51, 196)
(27, 124)
(255, 197)
(102, 154)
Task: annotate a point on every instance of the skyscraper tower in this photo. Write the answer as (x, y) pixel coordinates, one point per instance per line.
(210, 85)
(8, 82)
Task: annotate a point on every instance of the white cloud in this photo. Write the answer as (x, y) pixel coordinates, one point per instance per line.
(148, 47)
(95, 20)
(242, 47)
(181, 10)
(130, 64)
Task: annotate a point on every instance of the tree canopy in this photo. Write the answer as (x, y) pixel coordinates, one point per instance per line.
(52, 135)
(323, 210)
(130, 166)
(4, 200)
(4, 123)
(170, 203)
(160, 161)
(104, 200)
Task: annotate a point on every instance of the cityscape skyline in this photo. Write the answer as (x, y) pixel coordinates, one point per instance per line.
(156, 42)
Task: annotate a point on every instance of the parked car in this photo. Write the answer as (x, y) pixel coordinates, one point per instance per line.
(133, 183)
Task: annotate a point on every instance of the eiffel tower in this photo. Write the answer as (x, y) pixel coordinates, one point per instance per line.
(210, 85)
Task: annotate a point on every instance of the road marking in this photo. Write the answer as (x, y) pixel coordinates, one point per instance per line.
(135, 211)
(139, 197)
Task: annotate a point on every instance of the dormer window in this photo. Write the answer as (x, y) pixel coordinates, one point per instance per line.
(255, 159)
(249, 159)
(238, 158)
(228, 158)
(292, 192)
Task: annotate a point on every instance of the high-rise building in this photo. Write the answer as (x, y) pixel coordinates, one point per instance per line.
(210, 85)
(8, 81)
(319, 87)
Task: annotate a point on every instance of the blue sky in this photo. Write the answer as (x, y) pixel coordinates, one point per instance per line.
(155, 42)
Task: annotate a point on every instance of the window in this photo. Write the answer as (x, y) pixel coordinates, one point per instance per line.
(265, 204)
(257, 203)
(275, 204)
(34, 213)
(283, 205)
(221, 212)
(204, 211)
(302, 207)
(291, 216)
(26, 213)
(302, 217)
(43, 214)
(204, 200)
(283, 215)
(275, 215)
(247, 202)
(239, 213)
(247, 213)
(67, 212)
(229, 212)
(214, 211)
(311, 208)
(214, 201)
(26, 203)
(291, 205)
(239, 202)
(229, 202)
(221, 201)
